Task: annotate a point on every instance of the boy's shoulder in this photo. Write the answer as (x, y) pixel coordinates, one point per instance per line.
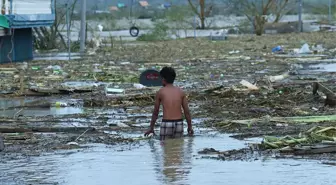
(167, 88)
(163, 90)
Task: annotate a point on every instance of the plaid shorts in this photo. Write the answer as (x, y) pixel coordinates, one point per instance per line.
(171, 129)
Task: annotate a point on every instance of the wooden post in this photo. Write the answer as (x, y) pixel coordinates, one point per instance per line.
(2, 145)
(22, 85)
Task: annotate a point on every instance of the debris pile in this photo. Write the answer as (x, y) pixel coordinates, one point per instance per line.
(315, 141)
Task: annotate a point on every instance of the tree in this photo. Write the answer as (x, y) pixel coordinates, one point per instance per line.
(177, 18)
(322, 10)
(202, 13)
(48, 38)
(258, 11)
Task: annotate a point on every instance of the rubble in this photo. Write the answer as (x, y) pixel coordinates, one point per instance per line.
(254, 94)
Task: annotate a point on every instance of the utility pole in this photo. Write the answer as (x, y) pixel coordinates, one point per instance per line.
(131, 9)
(300, 16)
(83, 26)
(329, 16)
(68, 21)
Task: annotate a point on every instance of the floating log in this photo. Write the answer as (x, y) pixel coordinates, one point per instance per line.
(315, 150)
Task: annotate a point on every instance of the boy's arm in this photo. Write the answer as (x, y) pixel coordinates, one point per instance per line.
(156, 110)
(186, 111)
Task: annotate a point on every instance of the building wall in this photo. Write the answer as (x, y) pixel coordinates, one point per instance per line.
(30, 13)
(17, 47)
(32, 7)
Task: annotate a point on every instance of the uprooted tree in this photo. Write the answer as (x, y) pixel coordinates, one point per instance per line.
(257, 11)
(203, 11)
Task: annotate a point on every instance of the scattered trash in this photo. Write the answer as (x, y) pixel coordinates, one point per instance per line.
(219, 35)
(278, 78)
(325, 136)
(318, 49)
(281, 125)
(123, 125)
(125, 63)
(112, 91)
(234, 52)
(277, 49)
(36, 68)
(305, 49)
(73, 143)
(139, 86)
(57, 70)
(150, 77)
(248, 85)
(60, 104)
(56, 67)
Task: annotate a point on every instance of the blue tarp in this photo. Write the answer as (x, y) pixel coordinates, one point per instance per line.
(4, 22)
(167, 5)
(121, 5)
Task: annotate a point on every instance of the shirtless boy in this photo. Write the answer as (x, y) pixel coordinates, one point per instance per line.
(172, 99)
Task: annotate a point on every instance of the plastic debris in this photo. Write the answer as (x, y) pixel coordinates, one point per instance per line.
(61, 104)
(304, 49)
(278, 77)
(318, 48)
(73, 143)
(123, 125)
(234, 52)
(249, 85)
(277, 49)
(111, 91)
(139, 86)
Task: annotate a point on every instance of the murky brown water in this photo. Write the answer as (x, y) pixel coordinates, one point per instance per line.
(151, 162)
(7, 111)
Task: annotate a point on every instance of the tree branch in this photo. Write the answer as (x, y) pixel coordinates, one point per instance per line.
(194, 9)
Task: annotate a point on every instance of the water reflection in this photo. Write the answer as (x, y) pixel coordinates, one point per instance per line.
(174, 163)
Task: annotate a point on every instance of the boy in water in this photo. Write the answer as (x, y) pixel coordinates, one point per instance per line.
(172, 99)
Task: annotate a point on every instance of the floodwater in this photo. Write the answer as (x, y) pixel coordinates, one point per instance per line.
(6, 109)
(315, 68)
(324, 67)
(173, 162)
(57, 56)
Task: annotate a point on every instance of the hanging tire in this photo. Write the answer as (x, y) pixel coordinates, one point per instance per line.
(134, 31)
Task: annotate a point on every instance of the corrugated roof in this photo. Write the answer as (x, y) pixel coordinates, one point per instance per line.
(114, 8)
(121, 5)
(144, 3)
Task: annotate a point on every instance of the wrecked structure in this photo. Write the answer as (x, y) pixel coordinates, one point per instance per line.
(17, 20)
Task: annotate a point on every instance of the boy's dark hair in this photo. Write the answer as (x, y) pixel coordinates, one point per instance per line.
(168, 74)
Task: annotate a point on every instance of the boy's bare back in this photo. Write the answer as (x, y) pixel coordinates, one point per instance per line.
(172, 102)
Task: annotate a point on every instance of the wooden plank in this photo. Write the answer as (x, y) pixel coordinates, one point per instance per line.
(321, 150)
